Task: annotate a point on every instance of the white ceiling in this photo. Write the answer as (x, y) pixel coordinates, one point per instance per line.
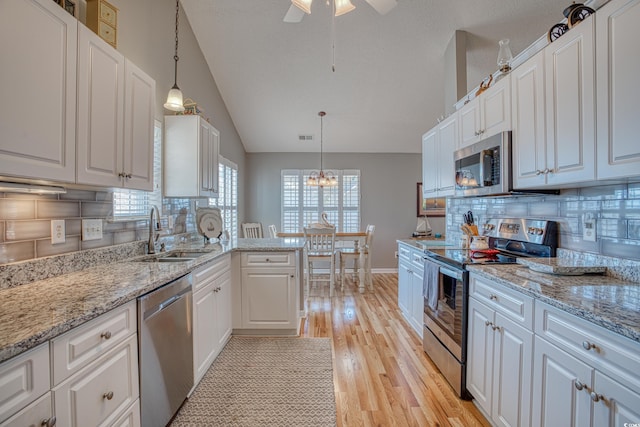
(387, 89)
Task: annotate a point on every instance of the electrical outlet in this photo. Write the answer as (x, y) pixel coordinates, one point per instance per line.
(589, 228)
(91, 229)
(57, 231)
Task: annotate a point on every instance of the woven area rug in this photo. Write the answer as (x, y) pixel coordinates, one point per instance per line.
(265, 382)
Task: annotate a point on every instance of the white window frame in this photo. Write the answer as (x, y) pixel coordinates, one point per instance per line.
(227, 200)
(310, 212)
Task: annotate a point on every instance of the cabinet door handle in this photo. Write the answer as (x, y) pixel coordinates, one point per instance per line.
(128, 176)
(49, 422)
(578, 385)
(588, 346)
(496, 328)
(538, 172)
(106, 335)
(292, 276)
(488, 323)
(108, 395)
(596, 397)
(121, 175)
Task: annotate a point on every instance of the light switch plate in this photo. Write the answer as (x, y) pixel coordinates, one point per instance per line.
(57, 231)
(91, 229)
(589, 229)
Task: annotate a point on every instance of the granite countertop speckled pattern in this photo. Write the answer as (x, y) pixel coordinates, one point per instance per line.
(606, 301)
(33, 313)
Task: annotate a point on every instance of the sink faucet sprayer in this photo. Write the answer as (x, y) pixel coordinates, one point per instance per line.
(152, 238)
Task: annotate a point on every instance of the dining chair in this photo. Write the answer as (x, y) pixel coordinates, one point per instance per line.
(252, 230)
(320, 246)
(273, 231)
(354, 253)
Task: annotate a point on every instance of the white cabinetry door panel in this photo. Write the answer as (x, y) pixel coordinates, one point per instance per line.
(448, 130)
(101, 392)
(404, 290)
(614, 405)
(469, 122)
(23, 379)
(430, 168)
(100, 111)
(139, 111)
(268, 298)
(204, 324)
(513, 350)
(618, 67)
(480, 360)
(223, 310)
(495, 106)
(38, 44)
(570, 89)
(417, 301)
(131, 418)
(37, 414)
(560, 388)
(528, 111)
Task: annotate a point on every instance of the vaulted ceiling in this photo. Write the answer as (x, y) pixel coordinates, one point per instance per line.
(387, 87)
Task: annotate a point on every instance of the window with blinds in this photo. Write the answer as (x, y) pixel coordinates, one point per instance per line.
(135, 204)
(303, 204)
(227, 200)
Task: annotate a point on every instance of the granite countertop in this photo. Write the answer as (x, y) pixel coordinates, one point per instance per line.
(33, 313)
(606, 301)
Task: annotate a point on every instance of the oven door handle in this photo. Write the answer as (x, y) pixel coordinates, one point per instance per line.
(451, 273)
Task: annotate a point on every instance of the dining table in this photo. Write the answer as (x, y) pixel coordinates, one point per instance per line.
(344, 237)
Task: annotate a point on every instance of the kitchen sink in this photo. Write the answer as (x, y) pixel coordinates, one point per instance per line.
(182, 254)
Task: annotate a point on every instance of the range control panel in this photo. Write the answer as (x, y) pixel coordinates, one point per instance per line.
(538, 231)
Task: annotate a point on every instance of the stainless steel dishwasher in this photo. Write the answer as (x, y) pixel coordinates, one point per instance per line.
(165, 336)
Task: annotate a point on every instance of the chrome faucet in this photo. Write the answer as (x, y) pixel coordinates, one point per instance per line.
(152, 235)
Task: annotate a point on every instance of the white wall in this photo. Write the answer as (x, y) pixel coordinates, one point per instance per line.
(388, 193)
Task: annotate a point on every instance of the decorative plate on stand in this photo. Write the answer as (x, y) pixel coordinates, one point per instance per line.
(209, 222)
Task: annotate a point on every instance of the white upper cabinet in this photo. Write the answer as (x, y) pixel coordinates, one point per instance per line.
(139, 111)
(529, 139)
(570, 105)
(618, 67)
(487, 114)
(38, 44)
(100, 110)
(438, 145)
(190, 157)
(553, 113)
(115, 117)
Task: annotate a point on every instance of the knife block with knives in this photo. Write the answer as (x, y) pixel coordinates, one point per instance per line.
(469, 228)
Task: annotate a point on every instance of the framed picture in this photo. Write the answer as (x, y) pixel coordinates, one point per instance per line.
(430, 207)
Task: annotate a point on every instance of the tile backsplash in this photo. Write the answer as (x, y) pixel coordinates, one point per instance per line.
(25, 223)
(616, 209)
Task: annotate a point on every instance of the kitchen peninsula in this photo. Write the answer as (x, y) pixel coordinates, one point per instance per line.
(35, 312)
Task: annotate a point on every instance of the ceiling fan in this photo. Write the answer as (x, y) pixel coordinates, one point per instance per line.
(299, 8)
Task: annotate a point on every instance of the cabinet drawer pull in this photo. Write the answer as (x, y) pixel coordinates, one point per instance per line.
(292, 276)
(596, 397)
(106, 335)
(108, 395)
(493, 297)
(49, 422)
(578, 385)
(588, 346)
(267, 260)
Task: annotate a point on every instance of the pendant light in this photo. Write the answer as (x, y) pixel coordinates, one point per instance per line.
(174, 99)
(320, 178)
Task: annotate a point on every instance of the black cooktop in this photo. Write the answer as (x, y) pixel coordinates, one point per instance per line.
(462, 257)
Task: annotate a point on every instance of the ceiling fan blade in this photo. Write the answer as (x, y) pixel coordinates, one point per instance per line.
(294, 15)
(382, 6)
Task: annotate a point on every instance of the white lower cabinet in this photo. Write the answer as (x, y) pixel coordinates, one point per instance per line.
(584, 374)
(500, 349)
(211, 314)
(269, 291)
(98, 394)
(410, 278)
(37, 414)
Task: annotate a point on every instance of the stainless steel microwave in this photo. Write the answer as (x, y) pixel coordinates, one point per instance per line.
(484, 168)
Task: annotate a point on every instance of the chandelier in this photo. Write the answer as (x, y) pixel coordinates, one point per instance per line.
(341, 6)
(321, 178)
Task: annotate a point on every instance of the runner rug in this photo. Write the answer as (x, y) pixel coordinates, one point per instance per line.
(265, 382)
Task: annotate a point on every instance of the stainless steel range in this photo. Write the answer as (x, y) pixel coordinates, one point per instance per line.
(446, 287)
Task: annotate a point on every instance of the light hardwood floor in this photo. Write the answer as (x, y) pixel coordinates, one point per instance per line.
(381, 375)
